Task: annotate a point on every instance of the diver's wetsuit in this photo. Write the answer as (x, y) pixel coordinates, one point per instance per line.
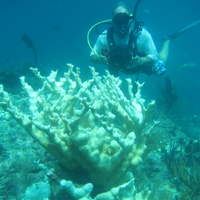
(119, 57)
(119, 52)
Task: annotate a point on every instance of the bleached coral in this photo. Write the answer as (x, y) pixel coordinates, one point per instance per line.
(125, 191)
(88, 123)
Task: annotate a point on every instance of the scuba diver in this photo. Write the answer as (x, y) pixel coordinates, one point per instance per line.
(127, 47)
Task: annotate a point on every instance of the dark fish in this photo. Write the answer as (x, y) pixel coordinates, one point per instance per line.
(57, 28)
(28, 41)
(7, 59)
(169, 93)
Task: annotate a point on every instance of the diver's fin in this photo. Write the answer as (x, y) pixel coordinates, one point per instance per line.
(171, 37)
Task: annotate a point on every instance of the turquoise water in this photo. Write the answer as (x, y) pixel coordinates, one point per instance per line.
(58, 30)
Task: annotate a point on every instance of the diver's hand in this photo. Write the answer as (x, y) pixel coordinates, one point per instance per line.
(99, 59)
(136, 61)
(103, 60)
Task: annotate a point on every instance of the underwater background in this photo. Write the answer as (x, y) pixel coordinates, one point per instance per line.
(58, 30)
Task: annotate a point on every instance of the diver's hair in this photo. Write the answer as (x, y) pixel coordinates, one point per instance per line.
(121, 4)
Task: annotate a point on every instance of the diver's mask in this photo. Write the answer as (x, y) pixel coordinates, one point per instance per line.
(122, 22)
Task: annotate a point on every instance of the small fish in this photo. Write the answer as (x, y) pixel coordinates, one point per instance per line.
(187, 65)
(7, 59)
(145, 11)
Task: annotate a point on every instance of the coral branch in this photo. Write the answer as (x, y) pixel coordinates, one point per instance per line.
(89, 123)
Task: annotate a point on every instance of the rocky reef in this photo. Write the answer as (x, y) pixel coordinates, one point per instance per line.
(91, 123)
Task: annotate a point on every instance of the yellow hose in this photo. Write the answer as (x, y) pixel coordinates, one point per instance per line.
(88, 34)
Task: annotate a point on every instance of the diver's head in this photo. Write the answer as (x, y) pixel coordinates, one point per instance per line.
(121, 19)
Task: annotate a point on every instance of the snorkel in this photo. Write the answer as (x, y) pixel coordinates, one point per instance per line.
(135, 9)
(133, 17)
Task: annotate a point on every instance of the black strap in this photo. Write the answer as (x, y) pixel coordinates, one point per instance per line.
(110, 38)
(132, 47)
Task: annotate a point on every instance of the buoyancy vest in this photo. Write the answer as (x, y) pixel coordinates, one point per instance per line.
(119, 57)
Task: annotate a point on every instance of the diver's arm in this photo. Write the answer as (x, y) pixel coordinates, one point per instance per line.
(147, 60)
(139, 61)
(146, 47)
(96, 53)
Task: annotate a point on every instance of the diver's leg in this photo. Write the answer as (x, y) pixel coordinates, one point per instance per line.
(164, 53)
(172, 36)
(159, 67)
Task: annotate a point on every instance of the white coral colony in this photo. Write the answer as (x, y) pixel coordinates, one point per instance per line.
(76, 122)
